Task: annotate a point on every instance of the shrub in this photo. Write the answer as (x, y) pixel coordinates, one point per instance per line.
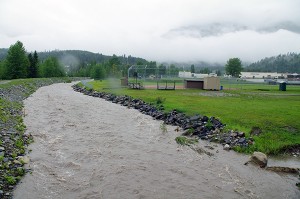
(19, 143)
(185, 141)
(163, 127)
(10, 180)
(160, 100)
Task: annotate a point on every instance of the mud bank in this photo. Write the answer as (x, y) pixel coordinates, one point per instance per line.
(86, 147)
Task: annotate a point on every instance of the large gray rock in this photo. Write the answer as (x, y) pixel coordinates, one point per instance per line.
(226, 147)
(258, 158)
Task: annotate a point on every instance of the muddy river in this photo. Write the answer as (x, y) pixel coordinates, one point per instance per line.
(86, 147)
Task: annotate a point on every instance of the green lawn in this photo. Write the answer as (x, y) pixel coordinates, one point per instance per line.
(242, 107)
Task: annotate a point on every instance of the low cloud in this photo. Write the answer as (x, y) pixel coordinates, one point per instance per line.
(284, 25)
(169, 30)
(218, 29)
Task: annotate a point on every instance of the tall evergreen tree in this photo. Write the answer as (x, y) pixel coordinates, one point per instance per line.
(2, 70)
(16, 62)
(173, 71)
(30, 68)
(205, 70)
(162, 70)
(151, 68)
(33, 65)
(114, 66)
(52, 68)
(98, 71)
(192, 68)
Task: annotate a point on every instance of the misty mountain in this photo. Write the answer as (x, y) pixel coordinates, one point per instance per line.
(220, 28)
(286, 63)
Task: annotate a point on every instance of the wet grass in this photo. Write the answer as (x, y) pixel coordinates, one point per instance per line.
(242, 107)
(28, 82)
(182, 140)
(163, 127)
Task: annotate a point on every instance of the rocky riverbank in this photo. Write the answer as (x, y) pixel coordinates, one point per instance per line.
(202, 127)
(13, 139)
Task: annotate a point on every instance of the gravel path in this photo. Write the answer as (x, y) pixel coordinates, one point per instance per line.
(86, 147)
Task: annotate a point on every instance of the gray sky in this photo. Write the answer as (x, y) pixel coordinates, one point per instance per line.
(160, 30)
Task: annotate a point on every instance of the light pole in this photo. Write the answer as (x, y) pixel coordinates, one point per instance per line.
(145, 72)
(128, 71)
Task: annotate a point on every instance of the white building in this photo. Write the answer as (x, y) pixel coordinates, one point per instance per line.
(261, 75)
(185, 74)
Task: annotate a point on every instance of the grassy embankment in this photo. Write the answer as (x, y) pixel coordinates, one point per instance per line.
(242, 107)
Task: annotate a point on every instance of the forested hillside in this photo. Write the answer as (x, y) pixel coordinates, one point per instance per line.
(69, 57)
(287, 63)
(79, 57)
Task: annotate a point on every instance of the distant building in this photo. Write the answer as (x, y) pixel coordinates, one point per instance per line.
(184, 74)
(206, 83)
(262, 75)
(195, 75)
(212, 83)
(293, 77)
(194, 83)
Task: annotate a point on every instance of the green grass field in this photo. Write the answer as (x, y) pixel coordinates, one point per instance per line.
(241, 106)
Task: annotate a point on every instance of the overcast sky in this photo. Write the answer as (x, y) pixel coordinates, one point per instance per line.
(159, 30)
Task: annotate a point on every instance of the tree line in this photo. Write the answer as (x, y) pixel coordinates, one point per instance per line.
(286, 63)
(16, 63)
(19, 64)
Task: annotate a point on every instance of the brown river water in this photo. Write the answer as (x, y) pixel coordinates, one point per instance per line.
(86, 147)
